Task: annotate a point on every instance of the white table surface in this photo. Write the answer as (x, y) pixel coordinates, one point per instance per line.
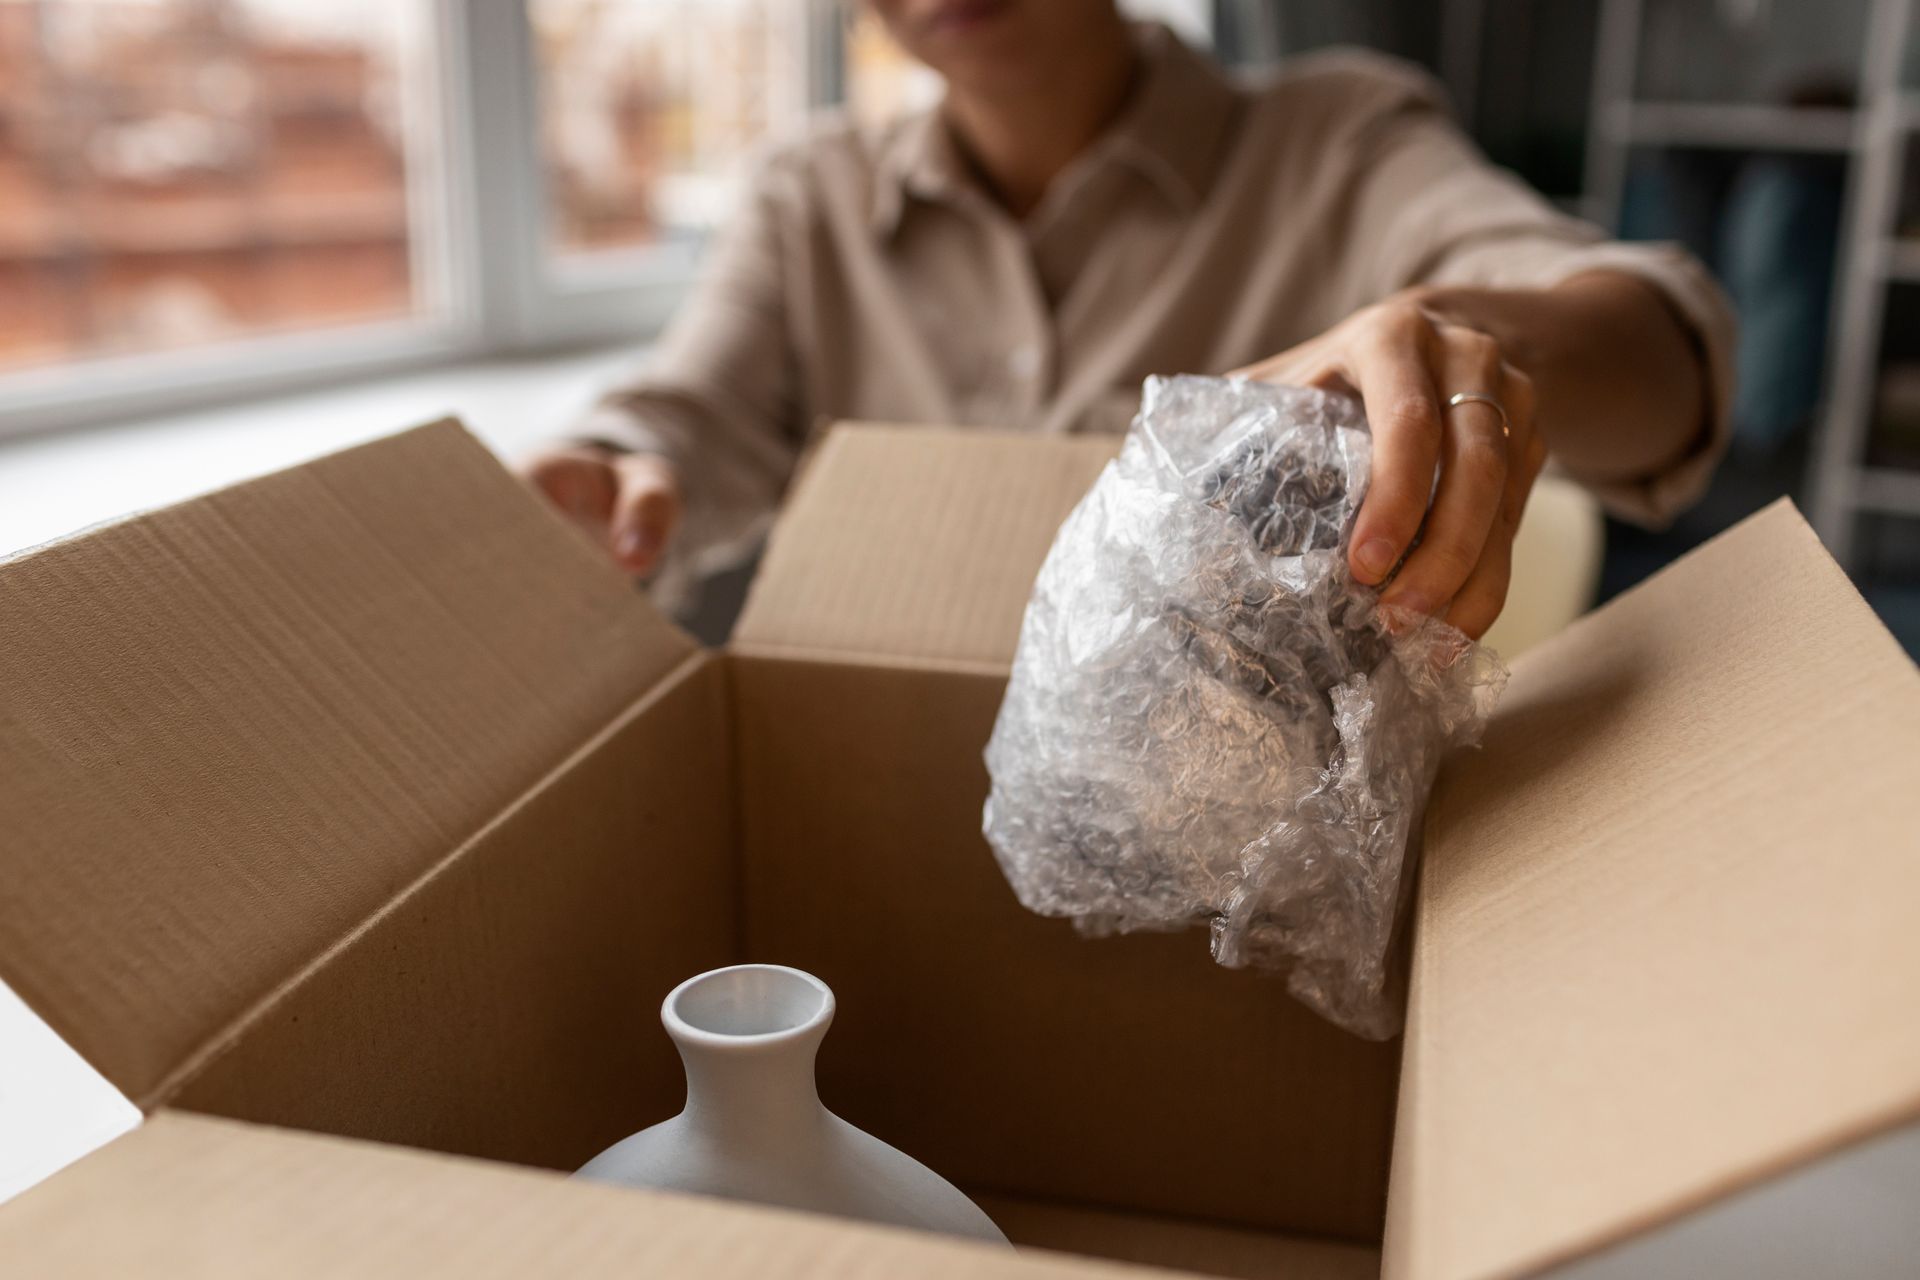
(54, 485)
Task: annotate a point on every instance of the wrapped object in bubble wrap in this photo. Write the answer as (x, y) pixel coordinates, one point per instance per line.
(1208, 719)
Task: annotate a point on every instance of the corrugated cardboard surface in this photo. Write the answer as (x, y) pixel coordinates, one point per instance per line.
(508, 1007)
(305, 824)
(186, 1196)
(1669, 935)
(1169, 1242)
(235, 727)
(843, 576)
(1002, 1048)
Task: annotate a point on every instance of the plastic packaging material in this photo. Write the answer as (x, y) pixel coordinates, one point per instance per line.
(1209, 719)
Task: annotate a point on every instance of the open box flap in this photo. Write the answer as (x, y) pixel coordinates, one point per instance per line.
(187, 1195)
(233, 728)
(839, 580)
(1668, 938)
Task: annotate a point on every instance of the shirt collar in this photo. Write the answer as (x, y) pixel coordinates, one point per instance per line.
(918, 160)
(1170, 132)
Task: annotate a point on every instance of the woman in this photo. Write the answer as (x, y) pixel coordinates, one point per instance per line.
(1093, 202)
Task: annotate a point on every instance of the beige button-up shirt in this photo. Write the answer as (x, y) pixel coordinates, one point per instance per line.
(867, 275)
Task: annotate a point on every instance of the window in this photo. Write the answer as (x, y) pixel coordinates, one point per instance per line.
(178, 172)
(650, 108)
(201, 199)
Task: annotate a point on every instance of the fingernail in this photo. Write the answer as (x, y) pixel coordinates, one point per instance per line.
(1375, 557)
(1410, 601)
(628, 543)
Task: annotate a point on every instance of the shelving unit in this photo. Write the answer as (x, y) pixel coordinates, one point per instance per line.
(1900, 261)
(1891, 490)
(1738, 125)
(1844, 486)
(1873, 138)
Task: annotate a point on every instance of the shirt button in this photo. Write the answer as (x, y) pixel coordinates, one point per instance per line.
(1024, 362)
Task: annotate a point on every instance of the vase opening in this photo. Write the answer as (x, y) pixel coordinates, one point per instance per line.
(749, 1002)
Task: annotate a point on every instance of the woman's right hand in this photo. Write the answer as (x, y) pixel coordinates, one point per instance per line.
(628, 503)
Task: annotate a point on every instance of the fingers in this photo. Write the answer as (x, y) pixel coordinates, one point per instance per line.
(1527, 450)
(628, 503)
(1404, 363)
(579, 480)
(1478, 603)
(646, 512)
(1389, 367)
(1479, 600)
(1473, 490)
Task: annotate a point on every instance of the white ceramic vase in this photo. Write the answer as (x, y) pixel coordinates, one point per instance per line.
(754, 1127)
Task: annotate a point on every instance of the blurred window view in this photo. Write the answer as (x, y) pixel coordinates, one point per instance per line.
(179, 173)
(651, 109)
(175, 172)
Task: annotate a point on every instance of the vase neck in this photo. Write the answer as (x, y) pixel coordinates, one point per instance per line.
(752, 1089)
(747, 1036)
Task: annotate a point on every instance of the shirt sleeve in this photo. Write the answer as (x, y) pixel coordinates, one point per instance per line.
(1432, 210)
(718, 395)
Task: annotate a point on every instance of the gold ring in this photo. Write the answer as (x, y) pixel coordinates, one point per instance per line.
(1473, 397)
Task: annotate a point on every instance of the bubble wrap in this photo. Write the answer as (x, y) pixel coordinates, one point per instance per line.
(1208, 720)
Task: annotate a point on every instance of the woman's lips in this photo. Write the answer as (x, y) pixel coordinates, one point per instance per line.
(956, 16)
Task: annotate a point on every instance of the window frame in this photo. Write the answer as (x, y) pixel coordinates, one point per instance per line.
(479, 212)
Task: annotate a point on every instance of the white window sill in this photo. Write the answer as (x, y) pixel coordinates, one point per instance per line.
(55, 485)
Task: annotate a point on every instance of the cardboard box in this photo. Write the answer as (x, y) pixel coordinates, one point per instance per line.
(366, 800)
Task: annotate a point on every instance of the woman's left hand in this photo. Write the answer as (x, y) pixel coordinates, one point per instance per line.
(1404, 361)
